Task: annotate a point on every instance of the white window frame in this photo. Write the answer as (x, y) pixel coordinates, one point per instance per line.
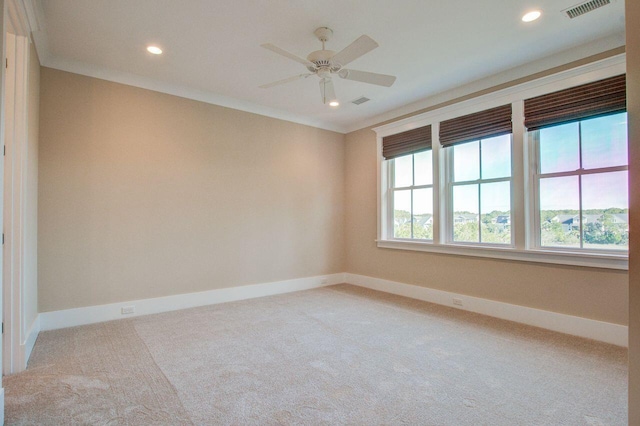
(524, 156)
(450, 183)
(392, 190)
(537, 175)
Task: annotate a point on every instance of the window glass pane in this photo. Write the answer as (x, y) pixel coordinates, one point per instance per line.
(465, 213)
(402, 214)
(423, 213)
(559, 212)
(604, 141)
(424, 168)
(466, 161)
(559, 148)
(495, 202)
(496, 157)
(605, 211)
(403, 171)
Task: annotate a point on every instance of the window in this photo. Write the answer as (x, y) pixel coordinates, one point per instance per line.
(410, 188)
(478, 176)
(412, 193)
(582, 184)
(536, 172)
(481, 191)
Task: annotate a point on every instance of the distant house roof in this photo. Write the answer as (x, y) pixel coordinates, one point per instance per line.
(503, 219)
(620, 218)
(565, 218)
(465, 217)
(423, 219)
(468, 215)
(589, 218)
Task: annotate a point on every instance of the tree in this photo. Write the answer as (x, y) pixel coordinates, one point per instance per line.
(465, 231)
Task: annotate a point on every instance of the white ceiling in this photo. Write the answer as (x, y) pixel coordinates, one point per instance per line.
(212, 47)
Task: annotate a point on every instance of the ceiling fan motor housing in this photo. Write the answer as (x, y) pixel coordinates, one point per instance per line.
(322, 59)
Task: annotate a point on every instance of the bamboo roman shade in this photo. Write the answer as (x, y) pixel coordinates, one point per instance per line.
(479, 125)
(601, 97)
(408, 142)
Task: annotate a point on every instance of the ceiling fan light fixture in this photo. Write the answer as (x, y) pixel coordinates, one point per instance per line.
(531, 16)
(154, 50)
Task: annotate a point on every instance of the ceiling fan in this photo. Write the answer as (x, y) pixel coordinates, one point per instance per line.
(325, 63)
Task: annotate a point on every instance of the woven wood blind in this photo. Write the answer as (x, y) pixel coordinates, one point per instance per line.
(408, 142)
(479, 125)
(601, 97)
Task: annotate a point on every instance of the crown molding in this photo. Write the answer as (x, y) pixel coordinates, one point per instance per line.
(17, 20)
(33, 10)
(129, 79)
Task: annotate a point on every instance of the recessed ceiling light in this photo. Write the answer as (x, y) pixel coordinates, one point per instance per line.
(334, 103)
(531, 16)
(154, 49)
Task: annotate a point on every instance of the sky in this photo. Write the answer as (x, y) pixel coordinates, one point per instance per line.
(495, 154)
(604, 144)
(422, 198)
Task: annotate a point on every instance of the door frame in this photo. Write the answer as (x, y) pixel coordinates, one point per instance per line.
(16, 344)
(15, 334)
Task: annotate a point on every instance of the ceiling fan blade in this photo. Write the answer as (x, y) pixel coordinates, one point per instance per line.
(286, 54)
(362, 45)
(326, 90)
(367, 77)
(286, 80)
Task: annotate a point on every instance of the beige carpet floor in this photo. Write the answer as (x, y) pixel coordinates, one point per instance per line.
(336, 355)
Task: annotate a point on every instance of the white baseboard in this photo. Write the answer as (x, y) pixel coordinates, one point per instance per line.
(592, 329)
(93, 314)
(30, 341)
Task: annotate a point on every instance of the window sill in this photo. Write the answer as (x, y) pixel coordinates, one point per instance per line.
(591, 260)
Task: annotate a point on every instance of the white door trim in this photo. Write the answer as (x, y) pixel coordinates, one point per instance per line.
(15, 327)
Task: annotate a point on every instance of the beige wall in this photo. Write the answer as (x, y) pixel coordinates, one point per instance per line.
(31, 194)
(591, 293)
(143, 194)
(632, 9)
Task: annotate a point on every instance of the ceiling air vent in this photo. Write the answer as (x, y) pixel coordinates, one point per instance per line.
(360, 100)
(585, 7)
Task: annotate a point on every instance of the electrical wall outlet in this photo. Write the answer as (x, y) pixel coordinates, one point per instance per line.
(457, 302)
(126, 310)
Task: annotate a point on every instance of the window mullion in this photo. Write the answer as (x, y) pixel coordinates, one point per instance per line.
(519, 178)
(413, 184)
(586, 172)
(479, 213)
(580, 184)
(391, 199)
(580, 209)
(411, 216)
(534, 185)
(449, 176)
(480, 192)
(492, 180)
(438, 195)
